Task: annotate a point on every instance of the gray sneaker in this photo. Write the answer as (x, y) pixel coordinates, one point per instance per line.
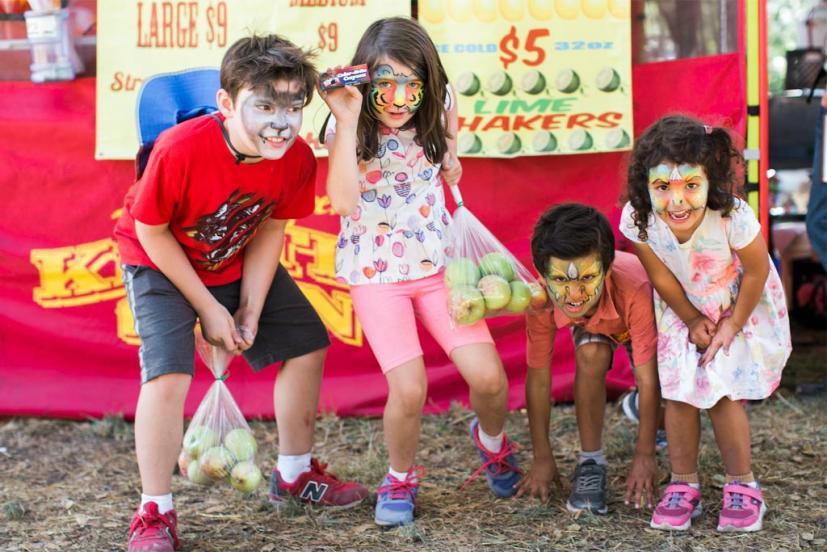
(589, 488)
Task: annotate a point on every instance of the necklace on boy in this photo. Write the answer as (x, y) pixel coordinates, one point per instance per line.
(239, 157)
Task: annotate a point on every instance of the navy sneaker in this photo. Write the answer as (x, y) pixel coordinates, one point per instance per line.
(589, 488)
(396, 500)
(501, 469)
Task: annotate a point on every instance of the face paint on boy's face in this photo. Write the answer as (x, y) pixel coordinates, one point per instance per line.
(678, 192)
(396, 92)
(575, 285)
(271, 117)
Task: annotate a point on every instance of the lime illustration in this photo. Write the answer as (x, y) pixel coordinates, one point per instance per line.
(617, 138)
(543, 141)
(469, 142)
(580, 140)
(567, 81)
(533, 82)
(607, 80)
(499, 83)
(468, 84)
(508, 143)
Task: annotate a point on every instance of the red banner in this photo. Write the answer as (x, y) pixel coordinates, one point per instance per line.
(67, 346)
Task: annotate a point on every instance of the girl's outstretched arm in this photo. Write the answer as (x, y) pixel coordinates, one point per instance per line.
(756, 262)
(701, 329)
(343, 168)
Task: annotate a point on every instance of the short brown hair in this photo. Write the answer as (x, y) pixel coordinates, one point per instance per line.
(257, 61)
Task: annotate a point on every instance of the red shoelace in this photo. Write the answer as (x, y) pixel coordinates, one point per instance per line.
(151, 519)
(498, 459)
(402, 490)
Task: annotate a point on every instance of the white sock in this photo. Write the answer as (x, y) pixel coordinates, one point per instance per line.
(694, 485)
(291, 467)
(753, 484)
(164, 502)
(492, 443)
(596, 455)
(401, 476)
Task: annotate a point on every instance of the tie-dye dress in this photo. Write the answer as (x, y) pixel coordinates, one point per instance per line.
(710, 272)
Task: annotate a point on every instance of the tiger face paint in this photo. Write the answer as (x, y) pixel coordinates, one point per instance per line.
(678, 194)
(396, 92)
(575, 285)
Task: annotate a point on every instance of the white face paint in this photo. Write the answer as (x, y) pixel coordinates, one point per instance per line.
(265, 122)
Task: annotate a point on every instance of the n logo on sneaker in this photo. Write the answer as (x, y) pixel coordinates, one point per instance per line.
(314, 491)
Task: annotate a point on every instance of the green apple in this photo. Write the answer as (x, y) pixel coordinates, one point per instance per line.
(496, 292)
(496, 263)
(241, 444)
(520, 297)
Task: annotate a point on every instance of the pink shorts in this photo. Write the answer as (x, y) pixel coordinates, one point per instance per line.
(388, 314)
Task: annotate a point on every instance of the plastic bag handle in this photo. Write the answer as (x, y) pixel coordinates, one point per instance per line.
(457, 195)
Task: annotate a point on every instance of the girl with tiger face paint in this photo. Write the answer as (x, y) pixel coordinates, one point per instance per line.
(392, 148)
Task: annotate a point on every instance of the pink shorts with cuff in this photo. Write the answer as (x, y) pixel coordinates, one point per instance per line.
(388, 314)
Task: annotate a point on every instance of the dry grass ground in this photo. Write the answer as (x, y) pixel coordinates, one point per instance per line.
(73, 486)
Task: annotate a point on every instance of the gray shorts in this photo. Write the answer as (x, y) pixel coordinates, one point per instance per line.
(289, 327)
(581, 337)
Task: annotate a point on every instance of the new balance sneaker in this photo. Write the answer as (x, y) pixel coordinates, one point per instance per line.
(501, 469)
(316, 486)
(743, 509)
(153, 531)
(589, 488)
(678, 506)
(630, 403)
(396, 500)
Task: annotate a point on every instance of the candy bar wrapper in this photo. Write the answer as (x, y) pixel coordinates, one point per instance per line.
(345, 76)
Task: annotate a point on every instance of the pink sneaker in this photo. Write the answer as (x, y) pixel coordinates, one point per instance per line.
(152, 531)
(743, 509)
(679, 505)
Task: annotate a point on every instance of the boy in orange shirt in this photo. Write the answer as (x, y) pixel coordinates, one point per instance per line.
(605, 297)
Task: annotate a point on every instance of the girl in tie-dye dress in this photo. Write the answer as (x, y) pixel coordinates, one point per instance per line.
(723, 329)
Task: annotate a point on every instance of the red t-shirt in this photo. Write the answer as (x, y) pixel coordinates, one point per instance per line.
(213, 205)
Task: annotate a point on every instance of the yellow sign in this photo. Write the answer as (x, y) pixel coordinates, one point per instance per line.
(536, 77)
(138, 39)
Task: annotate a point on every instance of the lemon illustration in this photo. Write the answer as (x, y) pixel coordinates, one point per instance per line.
(512, 10)
(541, 10)
(461, 10)
(567, 81)
(607, 80)
(580, 140)
(469, 142)
(499, 83)
(468, 83)
(432, 11)
(485, 10)
(567, 9)
(508, 143)
(594, 9)
(617, 138)
(620, 8)
(543, 141)
(533, 82)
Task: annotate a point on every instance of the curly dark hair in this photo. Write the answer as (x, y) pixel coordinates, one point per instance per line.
(569, 231)
(681, 139)
(404, 40)
(256, 61)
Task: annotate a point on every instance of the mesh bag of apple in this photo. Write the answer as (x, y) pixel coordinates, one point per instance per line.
(484, 279)
(218, 444)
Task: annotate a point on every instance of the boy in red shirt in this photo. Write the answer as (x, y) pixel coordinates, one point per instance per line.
(200, 238)
(606, 299)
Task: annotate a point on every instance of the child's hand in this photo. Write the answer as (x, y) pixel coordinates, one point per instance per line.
(451, 169)
(538, 480)
(247, 327)
(345, 102)
(640, 485)
(219, 328)
(701, 330)
(723, 337)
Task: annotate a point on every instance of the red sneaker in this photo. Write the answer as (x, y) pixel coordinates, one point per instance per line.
(317, 486)
(152, 531)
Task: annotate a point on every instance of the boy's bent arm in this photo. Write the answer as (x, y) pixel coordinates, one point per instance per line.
(165, 251)
(642, 480)
(261, 260)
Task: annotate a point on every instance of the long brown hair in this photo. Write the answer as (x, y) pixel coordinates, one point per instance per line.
(682, 139)
(404, 41)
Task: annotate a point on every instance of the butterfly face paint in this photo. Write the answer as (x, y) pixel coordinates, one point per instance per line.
(575, 285)
(267, 120)
(396, 92)
(678, 193)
